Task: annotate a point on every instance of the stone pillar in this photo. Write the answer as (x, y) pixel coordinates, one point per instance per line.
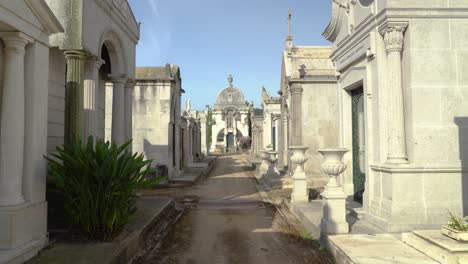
(74, 86)
(334, 199)
(12, 119)
(393, 33)
(90, 96)
(300, 193)
(296, 114)
(129, 110)
(118, 109)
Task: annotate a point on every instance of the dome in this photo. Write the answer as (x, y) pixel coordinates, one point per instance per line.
(230, 96)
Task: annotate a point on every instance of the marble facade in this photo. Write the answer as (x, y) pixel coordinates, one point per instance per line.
(308, 87)
(24, 50)
(256, 120)
(157, 116)
(271, 120)
(401, 82)
(68, 58)
(89, 56)
(230, 119)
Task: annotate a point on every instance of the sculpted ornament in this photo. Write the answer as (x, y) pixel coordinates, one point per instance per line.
(394, 37)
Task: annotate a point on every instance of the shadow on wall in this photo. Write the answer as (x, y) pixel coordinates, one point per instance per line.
(158, 153)
(462, 123)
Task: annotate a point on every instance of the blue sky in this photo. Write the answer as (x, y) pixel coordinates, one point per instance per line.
(210, 39)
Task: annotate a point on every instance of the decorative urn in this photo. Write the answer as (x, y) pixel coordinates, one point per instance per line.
(333, 165)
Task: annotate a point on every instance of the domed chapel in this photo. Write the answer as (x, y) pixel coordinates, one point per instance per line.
(230, 118)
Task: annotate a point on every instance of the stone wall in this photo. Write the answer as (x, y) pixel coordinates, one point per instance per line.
(320, 126)
(56, 102)
(151, 116)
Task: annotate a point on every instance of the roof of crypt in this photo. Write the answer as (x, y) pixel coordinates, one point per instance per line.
(309, 61)
(168, 72)
(230, 97)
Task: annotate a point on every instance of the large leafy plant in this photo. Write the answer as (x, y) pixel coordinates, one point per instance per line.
(98, 181)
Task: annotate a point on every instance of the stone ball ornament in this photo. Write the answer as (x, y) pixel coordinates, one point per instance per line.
(366, 3)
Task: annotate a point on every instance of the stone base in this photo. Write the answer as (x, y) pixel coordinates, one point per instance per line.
(22, 253)
(437, 246)
(297, 198)
(23, 232)
(334, 214)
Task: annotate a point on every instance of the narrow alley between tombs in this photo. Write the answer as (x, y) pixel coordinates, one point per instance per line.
(229, 223)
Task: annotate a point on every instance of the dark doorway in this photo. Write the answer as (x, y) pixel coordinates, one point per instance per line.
(230, 141)
(358, 125)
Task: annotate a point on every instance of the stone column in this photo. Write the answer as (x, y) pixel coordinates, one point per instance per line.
(296, 114)
(12, 120)
(393, 33)
(129, 110)
(90, 96)
(74, 86)
(118, 109)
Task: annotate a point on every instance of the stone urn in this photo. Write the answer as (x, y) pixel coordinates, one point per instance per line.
(272, 159)
(300, 193)
(333, 166)
(264, 164)
(334, 199)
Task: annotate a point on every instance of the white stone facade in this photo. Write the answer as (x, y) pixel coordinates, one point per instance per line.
(409, 60)
(25, 27)
(157, 117)
(230, 119)
(308, 74)
(61, 47)
(271, 120)
(98, 47)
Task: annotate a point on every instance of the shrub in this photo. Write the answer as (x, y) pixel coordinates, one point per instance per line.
(245, 142)
(99, 182)
(458, 223)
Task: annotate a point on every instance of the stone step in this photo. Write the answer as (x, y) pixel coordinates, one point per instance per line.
(374, 249)
(437, 246)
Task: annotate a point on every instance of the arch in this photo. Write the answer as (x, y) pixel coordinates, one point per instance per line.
(118, 59)
(220, 136)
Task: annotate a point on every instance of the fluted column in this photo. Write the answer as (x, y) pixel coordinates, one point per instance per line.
(90, 95)
(118, 109)
(129, 109)
(75, 67)
(296, 114)
(393, 33)
(12, 119)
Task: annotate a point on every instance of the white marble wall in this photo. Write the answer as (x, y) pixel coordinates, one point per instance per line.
(417, 192)
(56, 102)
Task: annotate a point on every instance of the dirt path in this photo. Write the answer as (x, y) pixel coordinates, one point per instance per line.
(231, 224)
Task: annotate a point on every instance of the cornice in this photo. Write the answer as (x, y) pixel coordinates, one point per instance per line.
(388, 14)
(119, 19)
(45, 15)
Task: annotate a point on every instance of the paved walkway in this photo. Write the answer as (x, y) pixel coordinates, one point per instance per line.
(229, 223)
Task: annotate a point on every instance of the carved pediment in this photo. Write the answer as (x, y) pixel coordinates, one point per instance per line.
(336, 21)
(347, 17)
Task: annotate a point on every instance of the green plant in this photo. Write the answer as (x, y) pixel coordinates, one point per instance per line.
(458, 223)
(270, 146)
(98, 182)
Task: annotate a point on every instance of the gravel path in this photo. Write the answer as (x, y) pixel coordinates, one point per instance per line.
(229, 223)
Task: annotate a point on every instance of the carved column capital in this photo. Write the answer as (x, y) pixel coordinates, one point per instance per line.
(117, 78)
(296, 88)
(393, 34)
(15, 41)
(94, 63)
(130, 84)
